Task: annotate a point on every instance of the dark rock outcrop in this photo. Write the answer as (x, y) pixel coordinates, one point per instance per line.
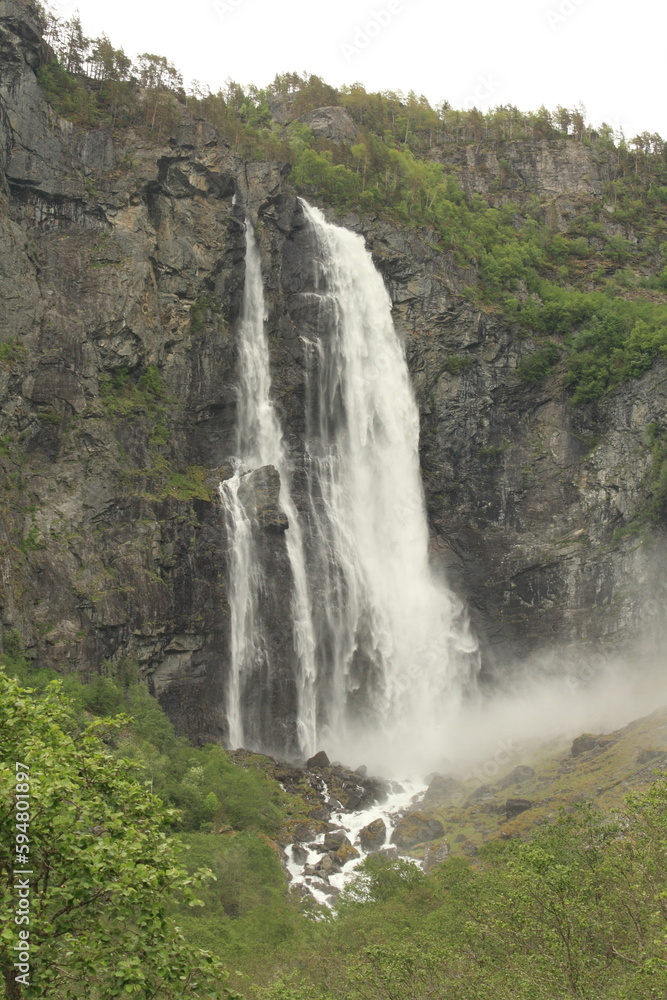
(514, 807)
(587, 742)
(440, 790)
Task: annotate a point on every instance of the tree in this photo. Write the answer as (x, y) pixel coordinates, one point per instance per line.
(161, 80)
(76, 46)
(103, 871)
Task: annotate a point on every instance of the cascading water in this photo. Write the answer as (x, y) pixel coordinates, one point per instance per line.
(260, 445)
(381, 649)
(391, 648)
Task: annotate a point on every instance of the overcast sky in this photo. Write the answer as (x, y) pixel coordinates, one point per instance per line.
(608, 54)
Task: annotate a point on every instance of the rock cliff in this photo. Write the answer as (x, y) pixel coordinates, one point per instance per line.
(121, 276)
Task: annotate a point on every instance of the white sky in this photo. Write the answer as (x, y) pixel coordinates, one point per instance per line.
(609, 54)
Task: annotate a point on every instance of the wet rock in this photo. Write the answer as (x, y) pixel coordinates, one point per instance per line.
(321, 813)
(303, 832)
(326, 866)
(344, 854)
(373, 836)
(416, 828)
(319, 760)
(300, 853)
(259, 492)
(514, 807)
(334, 840)
(517, 776)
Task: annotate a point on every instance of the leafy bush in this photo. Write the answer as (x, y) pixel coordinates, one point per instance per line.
(101, 869)
(458, 364)
(535, 367)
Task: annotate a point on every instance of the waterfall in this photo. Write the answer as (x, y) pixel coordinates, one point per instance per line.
(381, 646)
(260, 445)
(392, 649)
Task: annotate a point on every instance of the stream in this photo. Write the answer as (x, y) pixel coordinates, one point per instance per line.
(316, 865)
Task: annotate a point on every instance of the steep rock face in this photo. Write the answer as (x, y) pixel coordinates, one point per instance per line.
(121, 274)
(529, 497)
(121, 271)
(561, 174)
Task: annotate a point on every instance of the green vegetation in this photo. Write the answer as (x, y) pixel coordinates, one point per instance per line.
(31, 541)
(457, 364)
(575, 910)
(657, 438)
(205, 788)
(201, 311)
(103, 872)
(123, 395)
(600, 290)
(535, 367)
(11, 353)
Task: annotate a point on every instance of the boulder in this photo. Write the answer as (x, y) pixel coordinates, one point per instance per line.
(519, 774)
(300, 853)
(320, 813)
(484, 793)
(416, 828)
(344, 854)
(587, 742)
(335, 840)
(514, 807)
(326, 865)
(440, 789)
(303, 832)
(331, 123)
(320, 759)
(373, 836)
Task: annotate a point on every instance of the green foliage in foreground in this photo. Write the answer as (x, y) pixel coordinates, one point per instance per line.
(103, 870)
(579, 911)
(202, 785)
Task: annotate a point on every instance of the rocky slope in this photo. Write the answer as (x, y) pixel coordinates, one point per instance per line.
(121, 276)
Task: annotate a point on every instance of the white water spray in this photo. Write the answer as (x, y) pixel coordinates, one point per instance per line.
(381, 646)
(391, 646)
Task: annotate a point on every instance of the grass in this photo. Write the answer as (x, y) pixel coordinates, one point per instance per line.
(604, 776)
